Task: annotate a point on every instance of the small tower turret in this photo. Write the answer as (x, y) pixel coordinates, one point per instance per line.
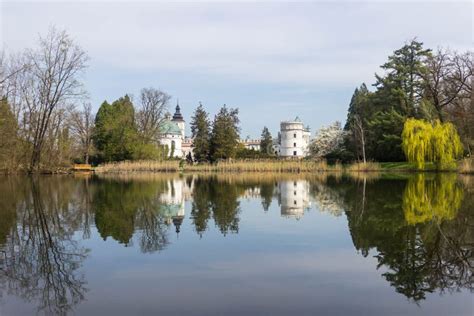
(178, 119)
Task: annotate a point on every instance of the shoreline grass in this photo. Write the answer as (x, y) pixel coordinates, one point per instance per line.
(277, 166)
(364, 167)
(465, 166)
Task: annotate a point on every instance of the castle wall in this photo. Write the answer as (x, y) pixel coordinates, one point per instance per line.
(182, 127)
(167, 140)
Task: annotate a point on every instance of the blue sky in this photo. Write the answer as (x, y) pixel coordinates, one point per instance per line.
(272, 60)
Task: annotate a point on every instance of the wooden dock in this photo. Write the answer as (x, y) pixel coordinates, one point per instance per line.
(82, 168)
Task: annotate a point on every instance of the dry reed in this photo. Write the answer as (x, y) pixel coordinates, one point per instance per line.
(139, 166)
(363, 167)
(466, 165)
(277, 166)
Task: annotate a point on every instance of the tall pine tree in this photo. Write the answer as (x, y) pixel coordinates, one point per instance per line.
(225, 134)
(200, 130)
(402, 87)
(266, 142)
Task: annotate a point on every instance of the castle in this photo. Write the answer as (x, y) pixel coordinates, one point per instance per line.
(172, 134)
(292, 142)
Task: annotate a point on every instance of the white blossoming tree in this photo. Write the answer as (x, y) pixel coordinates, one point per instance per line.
(328, 139)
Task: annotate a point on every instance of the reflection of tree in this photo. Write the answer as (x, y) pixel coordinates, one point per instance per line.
(200, 209)
(437, 199)
(223, 197)
(153, 235)
(266, 192)
(41, 258)
(217, 197)
(11, 197)
(121, 206)
(420, 256)
(327, 197)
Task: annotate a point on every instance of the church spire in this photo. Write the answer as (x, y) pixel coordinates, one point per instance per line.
(177, 114)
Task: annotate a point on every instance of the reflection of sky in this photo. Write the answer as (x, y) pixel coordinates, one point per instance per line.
(273, 266)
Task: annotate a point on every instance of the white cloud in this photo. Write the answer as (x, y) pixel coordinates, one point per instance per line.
(306, 55)
(300, 43)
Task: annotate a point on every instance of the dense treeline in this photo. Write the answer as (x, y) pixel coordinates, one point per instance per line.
(219, 142)
(39, 88)
(432, 87)
(42, 126)
(46, 122)
(417, 83)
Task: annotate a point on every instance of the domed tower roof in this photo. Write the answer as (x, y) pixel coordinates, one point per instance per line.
(178, 117)
(169, 127)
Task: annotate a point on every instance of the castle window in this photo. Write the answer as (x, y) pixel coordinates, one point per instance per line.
(294, 144)
(294, 153)
(294, 135)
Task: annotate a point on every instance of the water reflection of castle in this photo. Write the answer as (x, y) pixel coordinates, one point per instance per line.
(293, 197)
(173, 199)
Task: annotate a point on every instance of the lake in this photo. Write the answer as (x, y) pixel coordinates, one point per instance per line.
(258, 244)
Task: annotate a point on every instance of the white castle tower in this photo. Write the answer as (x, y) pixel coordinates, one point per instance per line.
(294, 139)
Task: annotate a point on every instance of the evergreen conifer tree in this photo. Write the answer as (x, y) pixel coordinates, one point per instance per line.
(200, 130)
(225, 134)
(266, 141)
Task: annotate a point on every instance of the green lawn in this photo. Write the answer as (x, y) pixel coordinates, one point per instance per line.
(406, 166)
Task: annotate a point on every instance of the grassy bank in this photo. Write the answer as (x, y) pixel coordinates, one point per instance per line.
(276, 166)
(465, 166)
(139, 166)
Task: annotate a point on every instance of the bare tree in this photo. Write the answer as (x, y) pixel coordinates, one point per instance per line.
(82, 124)
(447, 78)
(50, 82)
(359, 135)
(9, 70)
(153, 106)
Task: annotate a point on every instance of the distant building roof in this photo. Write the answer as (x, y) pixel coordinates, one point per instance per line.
(296, 120)
(250, 141)
(169, 127)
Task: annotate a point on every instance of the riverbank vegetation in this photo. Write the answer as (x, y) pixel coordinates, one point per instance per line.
(275, 166)
(420, 110)
(465, 166)
(418, 87)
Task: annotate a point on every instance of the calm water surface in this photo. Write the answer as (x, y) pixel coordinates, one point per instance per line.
(237, 245)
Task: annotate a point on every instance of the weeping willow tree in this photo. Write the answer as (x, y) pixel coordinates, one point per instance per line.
(426, 142)
(435, 199)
